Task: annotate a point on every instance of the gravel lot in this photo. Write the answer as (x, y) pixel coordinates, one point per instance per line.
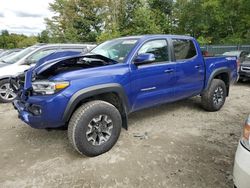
(173, 145)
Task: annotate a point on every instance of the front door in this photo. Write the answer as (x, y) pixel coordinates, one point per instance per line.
(153, 83)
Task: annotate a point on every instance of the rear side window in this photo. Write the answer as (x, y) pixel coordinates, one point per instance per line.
(157, 47)
(183, 49)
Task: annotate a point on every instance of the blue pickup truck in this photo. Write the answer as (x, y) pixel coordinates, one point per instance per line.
(92, 94)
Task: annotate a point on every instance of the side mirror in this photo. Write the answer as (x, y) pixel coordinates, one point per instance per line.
(144, 59)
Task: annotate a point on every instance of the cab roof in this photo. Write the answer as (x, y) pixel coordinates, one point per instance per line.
(152, 36)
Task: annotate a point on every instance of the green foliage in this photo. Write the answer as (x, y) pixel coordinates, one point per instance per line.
(15, 41)
(75, 20)
(129, 17)
(204, 41)
(144, 23)
(221, 21)
(43, 37)
(210, 21)
(163, 14)
(27, 41)
(108, 35)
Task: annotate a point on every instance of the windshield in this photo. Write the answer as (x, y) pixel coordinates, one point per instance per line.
(14, 58)
(9, 55)
(116, 49)
(248, 58)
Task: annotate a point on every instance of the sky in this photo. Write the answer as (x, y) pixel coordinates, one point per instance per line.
(24, 16)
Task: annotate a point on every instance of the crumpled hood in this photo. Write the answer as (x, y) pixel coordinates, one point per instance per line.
(57, 59)
(60, 57)
(49, 60)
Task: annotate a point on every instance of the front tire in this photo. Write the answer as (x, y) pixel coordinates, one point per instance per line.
(7, 94)
(94, 128)
(214, 98)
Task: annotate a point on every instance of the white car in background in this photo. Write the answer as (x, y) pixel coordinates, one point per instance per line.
(25, 59)
(241, 172)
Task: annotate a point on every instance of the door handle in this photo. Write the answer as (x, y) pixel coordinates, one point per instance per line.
(197, 66)
(169, 71)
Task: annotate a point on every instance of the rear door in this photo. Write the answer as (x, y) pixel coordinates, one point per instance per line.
(190, 70)
(153, 83)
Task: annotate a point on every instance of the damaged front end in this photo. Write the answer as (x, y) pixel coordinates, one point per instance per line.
(22, 85)
(41, 100)
(36, 104)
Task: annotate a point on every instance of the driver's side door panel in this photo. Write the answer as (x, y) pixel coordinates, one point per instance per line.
(153, 83)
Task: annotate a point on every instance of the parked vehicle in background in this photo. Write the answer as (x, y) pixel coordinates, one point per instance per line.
(8, 56)
(244, 71)
(1, 52)
(26, 59)
(9, 52)
(240, 54)
(241, 172)
(93, 93)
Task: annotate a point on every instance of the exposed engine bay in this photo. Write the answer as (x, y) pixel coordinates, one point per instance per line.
(72, 64)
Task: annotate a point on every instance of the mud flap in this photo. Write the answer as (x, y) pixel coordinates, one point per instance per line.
(125, 121)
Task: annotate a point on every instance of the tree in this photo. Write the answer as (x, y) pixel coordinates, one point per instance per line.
(27, 41)
(15, 40)
(43, 37)
(218, 21)
(4, 38)
(76, 20)
(211, 21)
(129, 17)
(144, 23)
(162, 10)
(118, 18)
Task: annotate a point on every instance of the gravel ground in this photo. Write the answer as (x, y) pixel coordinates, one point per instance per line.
(172, 145)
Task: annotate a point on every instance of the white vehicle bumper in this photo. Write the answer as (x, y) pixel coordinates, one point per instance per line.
(241, 172)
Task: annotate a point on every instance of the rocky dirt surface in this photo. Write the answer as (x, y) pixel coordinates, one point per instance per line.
(173, 145)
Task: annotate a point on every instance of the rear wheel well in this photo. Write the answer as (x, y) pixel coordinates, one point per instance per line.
(110, 97)
(225, 78)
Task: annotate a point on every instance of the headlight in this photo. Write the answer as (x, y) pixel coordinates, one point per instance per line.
(48, 87)
(245, 140)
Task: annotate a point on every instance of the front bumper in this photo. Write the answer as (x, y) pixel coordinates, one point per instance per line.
(51, 107)
(244, 72)
(244, 75)
(241, 172)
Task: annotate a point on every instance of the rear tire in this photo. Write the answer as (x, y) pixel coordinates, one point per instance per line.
(94, 128)
(214, 98)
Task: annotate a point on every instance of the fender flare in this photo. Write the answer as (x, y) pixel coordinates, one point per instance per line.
(217, 72)
(96, 90)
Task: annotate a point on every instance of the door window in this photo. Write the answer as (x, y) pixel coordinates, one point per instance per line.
(157, 47)
(184, 49)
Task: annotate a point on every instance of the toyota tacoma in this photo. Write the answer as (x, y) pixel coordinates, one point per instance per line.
(93, 94)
